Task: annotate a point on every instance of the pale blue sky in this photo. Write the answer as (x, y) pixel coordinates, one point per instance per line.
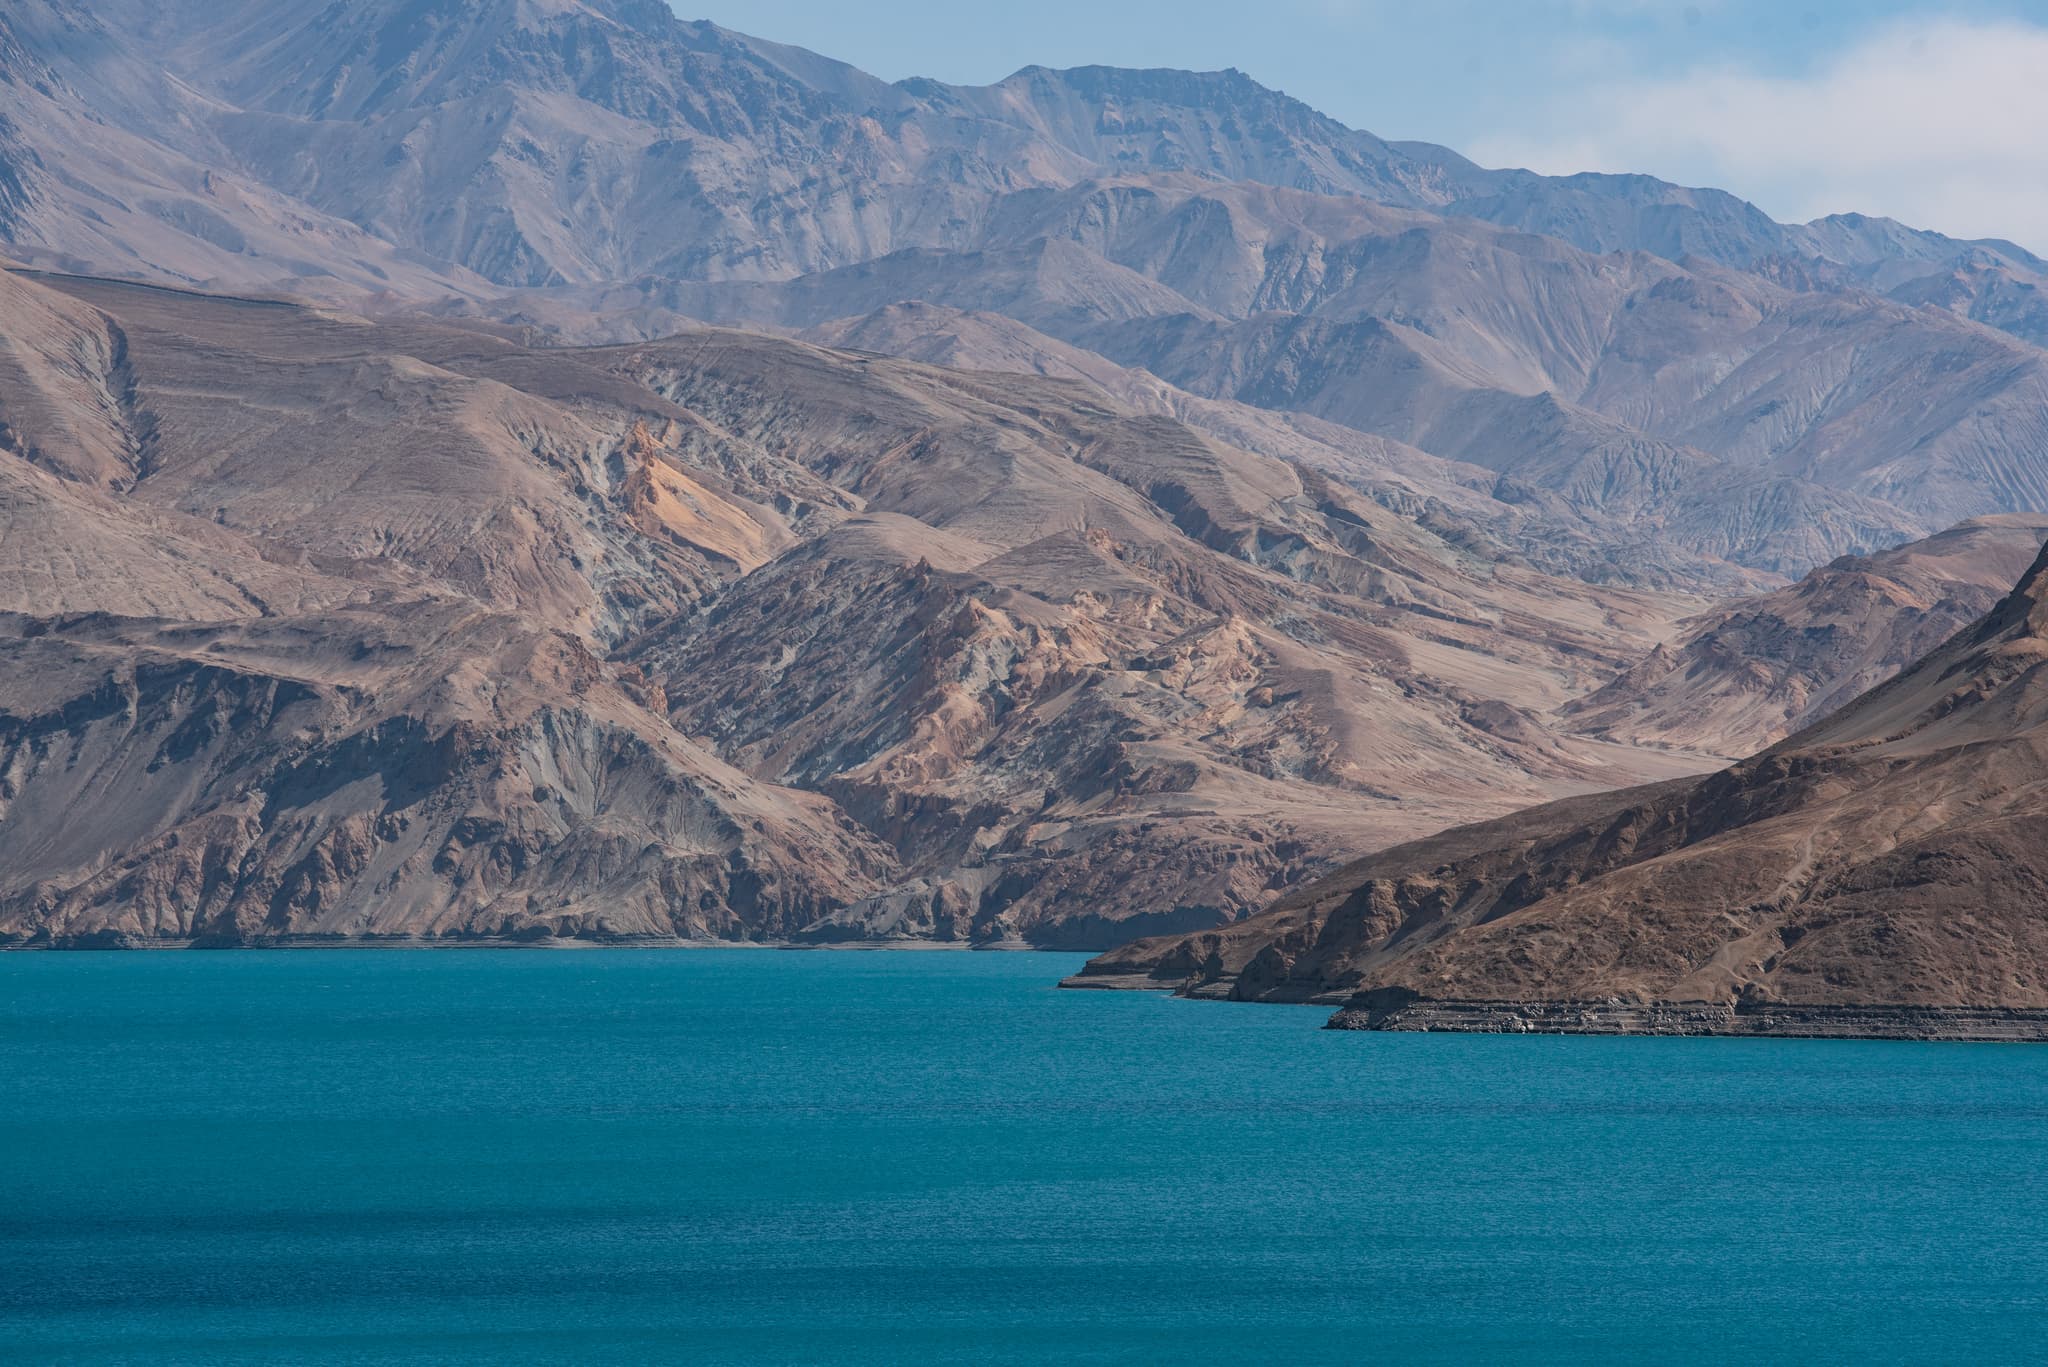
(1927, 111)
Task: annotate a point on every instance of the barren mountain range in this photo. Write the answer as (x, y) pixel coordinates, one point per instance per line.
(324, 626)
(1630, 352)
(506, 469)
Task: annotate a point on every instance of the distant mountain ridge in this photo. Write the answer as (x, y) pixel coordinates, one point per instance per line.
(1619, 349)
(387, 59)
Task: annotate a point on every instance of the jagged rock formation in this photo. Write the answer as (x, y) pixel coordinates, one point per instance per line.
(1891, 856)
(425, 771)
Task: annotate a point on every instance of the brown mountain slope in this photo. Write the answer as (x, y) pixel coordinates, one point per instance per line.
(1133, 640)
(1882, 872)
(1747, 675)
(342, 440)
(715, 635)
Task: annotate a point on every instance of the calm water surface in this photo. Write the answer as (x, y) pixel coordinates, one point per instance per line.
(751, 1156)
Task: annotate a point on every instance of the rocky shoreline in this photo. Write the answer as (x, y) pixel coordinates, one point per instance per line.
(111, 940)
(1774, 1020)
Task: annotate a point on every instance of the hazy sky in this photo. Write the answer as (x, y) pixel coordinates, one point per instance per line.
(1934, 113)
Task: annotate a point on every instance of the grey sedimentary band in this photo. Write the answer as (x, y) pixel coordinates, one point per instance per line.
(1697, 1018)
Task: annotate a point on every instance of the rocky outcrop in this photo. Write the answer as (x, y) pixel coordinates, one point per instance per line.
(429, 773)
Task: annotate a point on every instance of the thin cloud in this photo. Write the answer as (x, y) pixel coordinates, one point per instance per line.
(1935, 123)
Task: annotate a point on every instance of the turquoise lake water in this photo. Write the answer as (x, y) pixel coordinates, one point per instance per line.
(752, 1156)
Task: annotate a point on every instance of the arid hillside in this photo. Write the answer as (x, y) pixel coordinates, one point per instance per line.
(1749, 674)
(1878, 873)
(321, 626)
(508, 468)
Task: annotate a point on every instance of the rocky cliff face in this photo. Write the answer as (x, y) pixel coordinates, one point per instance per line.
(1890, 856)
(432, 772)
